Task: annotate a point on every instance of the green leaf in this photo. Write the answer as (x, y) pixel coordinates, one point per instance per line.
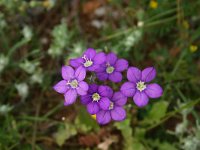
(161, 145)
(64, 133)
(85, 122)
(166, 146)
(157, 112)
(130, 142)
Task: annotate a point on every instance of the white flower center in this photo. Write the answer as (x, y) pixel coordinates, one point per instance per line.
(109, 68)
(111, 106)
(96, 97)
(73, 83)
(141, 86)
(88, 62)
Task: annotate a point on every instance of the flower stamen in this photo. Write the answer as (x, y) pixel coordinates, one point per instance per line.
(88, 62)
(73, 83)
(96, 97)
(110, 69)
(141, 86)
(111, 106)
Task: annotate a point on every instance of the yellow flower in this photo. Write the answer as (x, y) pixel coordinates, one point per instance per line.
(153, 4)
(94, 116)
(186, 24)
(46, 4)
(193, 48)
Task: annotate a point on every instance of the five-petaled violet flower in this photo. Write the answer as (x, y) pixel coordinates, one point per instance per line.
(115, 112)
(98, 98)
(111, 69)
(138, 88)
(72, 85)
(90, 60)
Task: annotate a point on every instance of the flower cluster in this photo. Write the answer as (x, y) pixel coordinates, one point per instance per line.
(101, 100)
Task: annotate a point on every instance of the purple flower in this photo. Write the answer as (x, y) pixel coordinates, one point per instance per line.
(138, 88)
(98, 97)
(111, 69)
(115, 112)
(72, 85)
(90, 60)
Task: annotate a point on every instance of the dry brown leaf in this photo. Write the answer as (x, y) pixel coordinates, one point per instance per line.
(89, 140)
(174, 51)
(107, 142)
(91, 6)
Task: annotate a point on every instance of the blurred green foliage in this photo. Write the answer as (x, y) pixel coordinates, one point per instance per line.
(38, 37)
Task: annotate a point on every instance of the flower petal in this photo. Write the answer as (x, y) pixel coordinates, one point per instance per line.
(80, 73)
(86, 99)
(90, 53)
(93, 67)
(148, 74)
(121, 65)
(102, 68)
(103, 117)
(104, 103)
(67, 72)
(70, 97)
(82, 88)
(154, 90)
(134, 74)
(105, 91)
(102, 76)
(128, 89)
(119, 99)
(93, 108)
(99, 58)
(61, 87)
(76, 62)
(115, 76)
(140, 99)
(93, 88)
(111, 58)
(118, 114)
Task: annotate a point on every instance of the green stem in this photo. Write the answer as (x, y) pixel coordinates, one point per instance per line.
(33, 118)
(16, 46)
(4, 39)
(161, 15)
(185, 100)
(116, 34)
(133, 28)
(160, 21)
(52, 111)
(173, 113)
(179, 61)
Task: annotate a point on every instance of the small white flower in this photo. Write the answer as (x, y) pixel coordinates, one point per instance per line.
(28, 66)
(37, 77)
(22, 89)
(60, 39)
(3, 62)
(5, 109)
(140, 23)
(101, 11)
(191, 143)
(27, 32)
(181, 128)
(3, 23)
(78, 48)
(133, 38)
(98, 24)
